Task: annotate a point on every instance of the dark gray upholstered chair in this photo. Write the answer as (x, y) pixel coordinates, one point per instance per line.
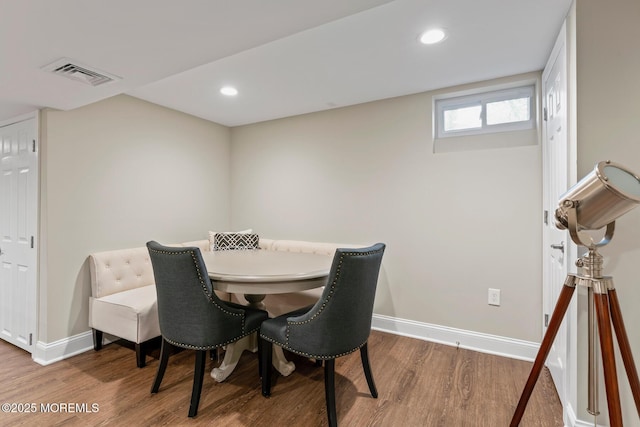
(191, 315)
(338, 324)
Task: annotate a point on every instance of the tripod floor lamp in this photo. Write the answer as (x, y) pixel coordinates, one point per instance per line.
(595, 202)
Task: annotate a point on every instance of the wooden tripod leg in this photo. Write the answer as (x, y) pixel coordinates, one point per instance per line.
(554, 324)
(625, 348)
(601, 302)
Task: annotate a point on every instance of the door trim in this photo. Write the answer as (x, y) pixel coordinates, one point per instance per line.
(35, 291)
(569, 397)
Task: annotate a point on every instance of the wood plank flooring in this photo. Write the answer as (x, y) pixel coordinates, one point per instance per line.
(419, 384)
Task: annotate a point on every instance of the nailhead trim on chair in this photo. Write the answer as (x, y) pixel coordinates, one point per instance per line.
(324, 304)
(309, 355)
(205, 290)
(195, 347)
(333, 287)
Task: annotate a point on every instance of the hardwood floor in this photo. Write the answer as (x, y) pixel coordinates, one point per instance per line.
(419, 384)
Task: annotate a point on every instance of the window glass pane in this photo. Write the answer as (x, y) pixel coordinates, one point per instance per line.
(508, 111)
(463, 118)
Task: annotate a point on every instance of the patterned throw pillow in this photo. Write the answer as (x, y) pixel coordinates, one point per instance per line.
(235, 241)
(212, 236)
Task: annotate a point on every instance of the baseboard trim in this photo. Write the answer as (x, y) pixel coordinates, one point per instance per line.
(484, 343)
(48, 353)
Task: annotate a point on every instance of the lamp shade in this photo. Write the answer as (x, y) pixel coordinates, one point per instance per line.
(604, 195)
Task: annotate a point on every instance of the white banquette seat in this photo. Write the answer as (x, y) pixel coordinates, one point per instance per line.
(123, 294)
(123, 298)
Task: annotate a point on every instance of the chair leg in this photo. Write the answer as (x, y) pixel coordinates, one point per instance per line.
(364, 355)
(141, 359)
(266, 362)
(97, 339)
(198, 377)
(330, 391)
(165, 349)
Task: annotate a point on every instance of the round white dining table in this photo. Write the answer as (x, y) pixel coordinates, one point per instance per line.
(256, 273)
(260, 271)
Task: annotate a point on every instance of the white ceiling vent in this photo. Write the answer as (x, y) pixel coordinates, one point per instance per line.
(74, 70)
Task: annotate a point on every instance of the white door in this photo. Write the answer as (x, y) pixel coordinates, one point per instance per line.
(556, 178)
(18, 226)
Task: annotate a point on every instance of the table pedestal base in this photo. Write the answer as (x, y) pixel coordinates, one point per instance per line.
(234, 351)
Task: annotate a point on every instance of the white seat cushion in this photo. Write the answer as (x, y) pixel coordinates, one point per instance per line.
(132, 314)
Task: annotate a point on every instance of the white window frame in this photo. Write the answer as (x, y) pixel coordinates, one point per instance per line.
(447, 103)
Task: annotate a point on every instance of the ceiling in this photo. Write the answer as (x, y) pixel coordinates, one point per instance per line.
(286, 57)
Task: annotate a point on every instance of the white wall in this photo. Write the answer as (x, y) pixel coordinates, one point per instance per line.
(608, 118)
(116, 174)
(455, 224)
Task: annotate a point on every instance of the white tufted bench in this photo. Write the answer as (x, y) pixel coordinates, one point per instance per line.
(123, 296)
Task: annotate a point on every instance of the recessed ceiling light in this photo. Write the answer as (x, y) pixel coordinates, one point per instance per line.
(435, 35)
(229, 91)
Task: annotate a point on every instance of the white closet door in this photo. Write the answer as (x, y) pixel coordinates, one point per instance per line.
(18, 227)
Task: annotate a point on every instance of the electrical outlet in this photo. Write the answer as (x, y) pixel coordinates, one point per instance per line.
(494, 296)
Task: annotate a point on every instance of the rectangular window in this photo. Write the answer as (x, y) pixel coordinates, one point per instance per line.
(486, 112)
